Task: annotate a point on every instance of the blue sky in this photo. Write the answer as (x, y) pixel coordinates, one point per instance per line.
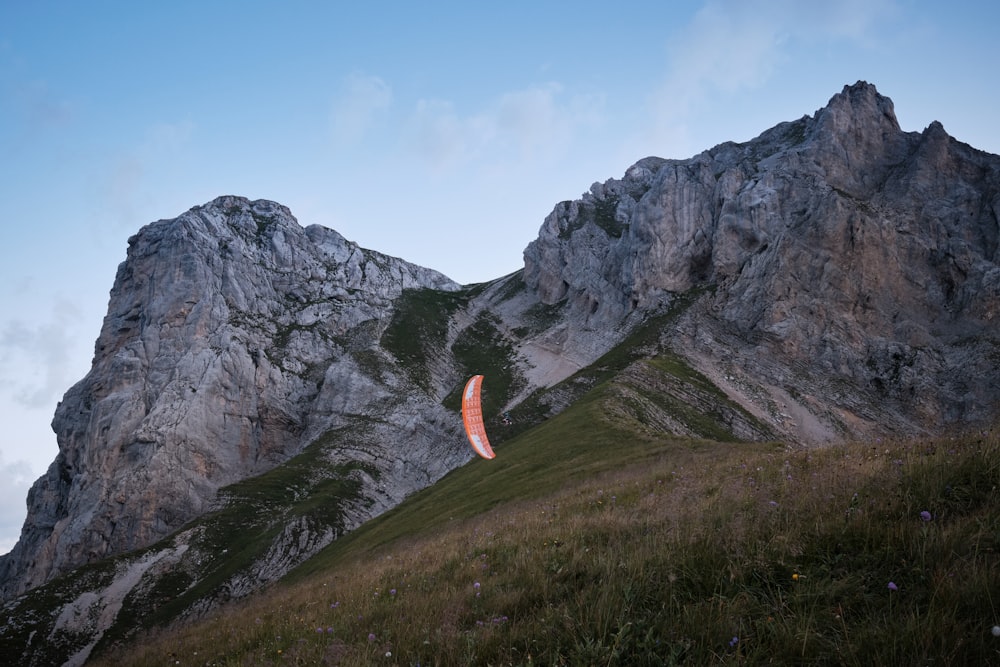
(442, 134)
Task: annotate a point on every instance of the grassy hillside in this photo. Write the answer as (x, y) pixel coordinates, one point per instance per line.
(585, 542)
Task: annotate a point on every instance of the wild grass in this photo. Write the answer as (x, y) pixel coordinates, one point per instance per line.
(688, 553)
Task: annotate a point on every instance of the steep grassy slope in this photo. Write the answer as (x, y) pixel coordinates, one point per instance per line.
(585, 542)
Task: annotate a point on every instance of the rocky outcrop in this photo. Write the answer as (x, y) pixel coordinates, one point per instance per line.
(853, 266)
(231, 342)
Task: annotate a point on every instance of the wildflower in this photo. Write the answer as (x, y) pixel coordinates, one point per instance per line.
(476, 585)
(319, 629)
(996, 630)
(795, 576)
(893, 586)
(392, 591)
(388, 654)
(371, 636)
(335, 605)
(925, 516)
(734, 641)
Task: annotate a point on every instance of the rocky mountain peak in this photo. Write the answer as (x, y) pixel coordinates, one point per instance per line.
(224, 351)
(837, 242)
(859, 105)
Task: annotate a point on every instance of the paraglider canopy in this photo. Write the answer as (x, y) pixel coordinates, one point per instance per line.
(472, 417)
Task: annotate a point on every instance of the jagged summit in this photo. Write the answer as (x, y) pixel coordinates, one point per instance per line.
(862, 103)
(837, 243)
(835, 277)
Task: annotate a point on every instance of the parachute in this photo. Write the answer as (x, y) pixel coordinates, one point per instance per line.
(472, 417)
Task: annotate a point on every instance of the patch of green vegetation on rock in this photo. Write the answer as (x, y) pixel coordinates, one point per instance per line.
(419, 328)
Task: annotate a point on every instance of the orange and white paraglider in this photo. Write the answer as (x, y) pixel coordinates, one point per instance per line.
(472, 417)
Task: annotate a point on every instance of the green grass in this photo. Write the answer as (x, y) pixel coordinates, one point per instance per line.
(583, 543)
(482, 350)
(419, 327)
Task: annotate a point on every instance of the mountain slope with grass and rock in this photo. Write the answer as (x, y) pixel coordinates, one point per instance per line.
(260, 389)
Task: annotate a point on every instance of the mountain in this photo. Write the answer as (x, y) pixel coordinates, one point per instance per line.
(259, 388)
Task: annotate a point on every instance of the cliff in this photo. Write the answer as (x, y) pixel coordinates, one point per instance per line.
(853, 267)
(233, 338)
(836, 277)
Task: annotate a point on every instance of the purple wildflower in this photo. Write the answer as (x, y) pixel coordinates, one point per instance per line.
(925, 516)
(371, 636)
(893, 586)
(734, 641)
(319, 629)
(392, 591)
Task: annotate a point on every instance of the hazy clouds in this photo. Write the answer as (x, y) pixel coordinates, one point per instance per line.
(35, 368)
(15, 479)
(537, 123)
(732, 46)
(362, 102)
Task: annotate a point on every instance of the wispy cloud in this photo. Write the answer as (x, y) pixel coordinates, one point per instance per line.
(128, 187)
(31, 113)
(536, 123)
(362, 101)
(543, 119)
(41, 107)
(35, 357)
(15, 479)
(731, 46)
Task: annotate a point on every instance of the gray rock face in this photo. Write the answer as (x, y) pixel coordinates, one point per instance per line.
(853, 264)
(842, 277)
(225, 350)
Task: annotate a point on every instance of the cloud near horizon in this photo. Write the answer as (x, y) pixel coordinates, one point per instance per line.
(16, 478)
(538, 123)
(35, 357)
